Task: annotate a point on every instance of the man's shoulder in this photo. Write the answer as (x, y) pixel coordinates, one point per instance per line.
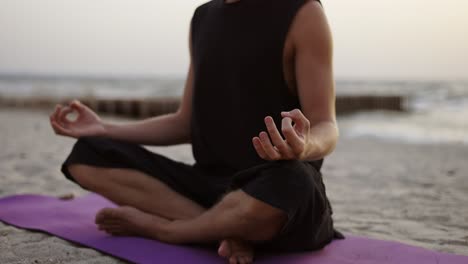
(310, 11)
(310, 22)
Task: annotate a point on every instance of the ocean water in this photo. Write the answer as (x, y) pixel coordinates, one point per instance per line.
(78, 87)
(437, 110)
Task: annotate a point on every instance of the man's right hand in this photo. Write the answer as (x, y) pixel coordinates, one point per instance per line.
(87, 122)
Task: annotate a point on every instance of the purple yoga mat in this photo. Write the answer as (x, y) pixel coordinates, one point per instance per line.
(74, 221)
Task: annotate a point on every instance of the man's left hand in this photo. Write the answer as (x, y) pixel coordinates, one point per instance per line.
(292, 146)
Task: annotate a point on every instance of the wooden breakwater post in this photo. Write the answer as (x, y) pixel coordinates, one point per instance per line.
(348, 104)
(141, 108)
(345, 104)
(134, 107)
(137, 108)
(28, 102)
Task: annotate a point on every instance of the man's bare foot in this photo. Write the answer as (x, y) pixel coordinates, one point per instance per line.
(129, 221)
(236, 251)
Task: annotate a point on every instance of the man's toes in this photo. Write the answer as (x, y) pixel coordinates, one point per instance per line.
(110, 222)
(224, 249)
(110, 216)
(233, 260)
(117, 232)
(105, 227)
(103, 215)
(108, 226)
(245, 260)
(241, 260)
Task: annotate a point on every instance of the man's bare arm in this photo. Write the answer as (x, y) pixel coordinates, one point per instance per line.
(314, 76)
(314, 133)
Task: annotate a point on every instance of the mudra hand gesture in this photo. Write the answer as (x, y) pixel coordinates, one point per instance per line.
(293, 146)
(87, 123)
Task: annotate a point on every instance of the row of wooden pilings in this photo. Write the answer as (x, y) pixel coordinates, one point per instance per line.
(140, 108)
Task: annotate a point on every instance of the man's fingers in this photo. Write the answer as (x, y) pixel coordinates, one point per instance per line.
(272, 153)
(60, 130)
(63, 114)
(51, 119)
(52, 115)
(56, 127)
(299, 119)
(259, 148)
(291, 136)
(77, 105)
(56, 112)
(276, 137)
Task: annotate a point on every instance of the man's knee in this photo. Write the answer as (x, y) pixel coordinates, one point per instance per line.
(262, 221)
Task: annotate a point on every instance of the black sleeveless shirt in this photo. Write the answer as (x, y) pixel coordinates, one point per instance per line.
(237, 56)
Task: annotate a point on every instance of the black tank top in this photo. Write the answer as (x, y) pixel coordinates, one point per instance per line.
(237, 55)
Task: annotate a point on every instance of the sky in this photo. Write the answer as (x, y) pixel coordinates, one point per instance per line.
(398, 39)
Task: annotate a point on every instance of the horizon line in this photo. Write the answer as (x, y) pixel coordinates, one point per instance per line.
(140, 77)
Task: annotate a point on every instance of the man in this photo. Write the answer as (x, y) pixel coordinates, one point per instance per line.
(259, 110)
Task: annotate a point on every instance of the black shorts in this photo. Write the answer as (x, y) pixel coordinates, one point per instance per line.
(295, 187)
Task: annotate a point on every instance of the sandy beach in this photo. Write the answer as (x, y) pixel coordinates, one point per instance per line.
(412, 193)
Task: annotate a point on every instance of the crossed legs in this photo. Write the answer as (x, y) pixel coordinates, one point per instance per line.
(150, 208)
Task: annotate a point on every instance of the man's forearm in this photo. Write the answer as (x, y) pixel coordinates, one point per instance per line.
(323, 138)
(164, 130)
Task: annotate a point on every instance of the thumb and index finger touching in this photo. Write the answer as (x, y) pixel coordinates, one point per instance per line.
(299, 119)
(58, 118)
(61, 112)
(77, 105)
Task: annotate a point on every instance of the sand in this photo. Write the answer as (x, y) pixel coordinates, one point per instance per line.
(417, 194)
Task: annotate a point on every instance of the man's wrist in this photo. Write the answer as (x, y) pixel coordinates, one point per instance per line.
(312, 151)
(106, 129)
